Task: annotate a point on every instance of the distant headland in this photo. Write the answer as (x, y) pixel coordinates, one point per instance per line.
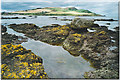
(54, 11)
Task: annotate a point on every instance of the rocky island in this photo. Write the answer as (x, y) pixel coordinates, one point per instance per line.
(81, 37)
(55, 11)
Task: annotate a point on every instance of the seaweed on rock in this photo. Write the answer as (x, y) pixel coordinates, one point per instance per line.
(75, 38)
(10, 38)
(19, 63)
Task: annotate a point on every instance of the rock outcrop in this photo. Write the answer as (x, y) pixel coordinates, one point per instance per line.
(78, 40)
(10, 38)
(16, 61)
(54, 34)
(105, 20)
(13, 17)
(80, 23)
(19, 63)
(3, 29)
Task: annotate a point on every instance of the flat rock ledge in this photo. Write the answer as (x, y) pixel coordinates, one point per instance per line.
(53, 34)
(19, 63)
(13, 17)
(16, 61)
(81, 37)
(11, 38)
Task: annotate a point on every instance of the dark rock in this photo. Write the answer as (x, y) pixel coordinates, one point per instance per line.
(3, 29)
(75, 38)
(105, 20)
(66, 19)
(13, 17)
(117, 28)
(9, 38)
(74, 43)
(53, 17)
(23, 27)
(23, 17)
(29, 16)
(95, 25)
(19, 63)
(103, 73)
(108, 23)
(89, 45)
(54, 34)
(55, 25)
(79, 23)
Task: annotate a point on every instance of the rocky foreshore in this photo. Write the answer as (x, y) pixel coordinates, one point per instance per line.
(10, 38)
(79, 40)
(105, 20)
(17, 62)
(13, 17)
(54, 34)
(65, 19)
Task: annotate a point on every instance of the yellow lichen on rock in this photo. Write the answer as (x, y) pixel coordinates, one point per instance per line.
(22, 63)
(77, 39)
(60, 30)
(21, 56)
(101, 33)
(77, 35)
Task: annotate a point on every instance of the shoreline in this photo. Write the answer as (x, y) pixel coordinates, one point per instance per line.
(55, 17)
(70, 37)
(51, 14)
(18, 62)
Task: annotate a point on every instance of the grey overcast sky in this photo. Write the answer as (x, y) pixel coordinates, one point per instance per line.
(50, 1)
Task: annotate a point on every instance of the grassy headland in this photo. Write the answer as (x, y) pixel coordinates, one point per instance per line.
(55, 11)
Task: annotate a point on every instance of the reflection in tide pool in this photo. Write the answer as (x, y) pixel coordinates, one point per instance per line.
(58, 63)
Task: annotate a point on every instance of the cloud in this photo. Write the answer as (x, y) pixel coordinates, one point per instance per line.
(34, 6)
(49, 1)
(6, 10)
(91, 0)
(26, 1)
